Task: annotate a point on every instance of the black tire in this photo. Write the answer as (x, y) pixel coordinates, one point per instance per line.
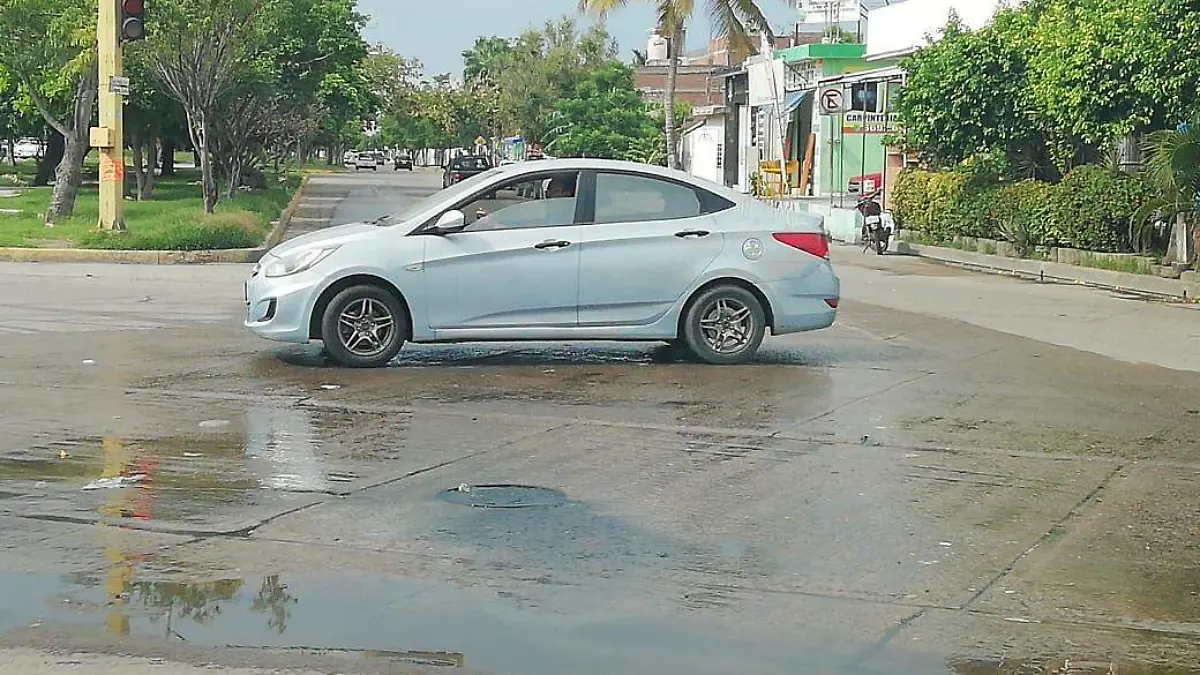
(705, 305)
(881, 245)
(335, 340)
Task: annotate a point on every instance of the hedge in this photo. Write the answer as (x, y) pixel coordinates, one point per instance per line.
(1089, 209)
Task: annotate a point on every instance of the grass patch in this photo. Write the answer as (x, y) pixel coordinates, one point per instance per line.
(173, 220)
(1131, 264)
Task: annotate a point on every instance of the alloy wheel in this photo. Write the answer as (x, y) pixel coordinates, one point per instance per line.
(728, 326)
(366, 327)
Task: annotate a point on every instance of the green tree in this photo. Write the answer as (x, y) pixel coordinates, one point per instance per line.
(48, 46)
(734, 20)
(543, 67)
(1054, 83)
(604, 118)
(966, 96)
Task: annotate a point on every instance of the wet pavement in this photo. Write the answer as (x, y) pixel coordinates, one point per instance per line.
(967, 474)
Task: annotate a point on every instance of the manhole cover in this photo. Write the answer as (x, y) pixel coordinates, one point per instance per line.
(503, 496)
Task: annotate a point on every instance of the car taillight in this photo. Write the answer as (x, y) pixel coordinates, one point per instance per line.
(814, 243)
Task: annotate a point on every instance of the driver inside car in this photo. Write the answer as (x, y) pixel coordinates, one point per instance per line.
(556, 208)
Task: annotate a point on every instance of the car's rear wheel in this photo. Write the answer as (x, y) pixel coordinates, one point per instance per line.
(725, 325)
(364, 327)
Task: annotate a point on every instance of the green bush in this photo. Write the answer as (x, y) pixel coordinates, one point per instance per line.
(1091, 207)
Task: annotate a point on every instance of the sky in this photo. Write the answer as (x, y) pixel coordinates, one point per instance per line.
(437, 32)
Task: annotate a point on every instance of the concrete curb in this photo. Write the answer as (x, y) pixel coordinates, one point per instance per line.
(227, 255)
(1140, 284)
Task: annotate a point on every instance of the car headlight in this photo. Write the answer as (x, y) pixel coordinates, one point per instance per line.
(297, 262)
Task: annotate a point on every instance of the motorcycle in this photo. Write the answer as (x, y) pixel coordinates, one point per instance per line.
(875, 234)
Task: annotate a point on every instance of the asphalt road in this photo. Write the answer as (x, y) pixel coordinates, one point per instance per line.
(966, 474)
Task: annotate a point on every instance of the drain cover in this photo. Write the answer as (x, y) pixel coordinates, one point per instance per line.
(503, 496)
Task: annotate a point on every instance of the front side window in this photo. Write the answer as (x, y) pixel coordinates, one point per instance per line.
(623, 198)
(526, 202)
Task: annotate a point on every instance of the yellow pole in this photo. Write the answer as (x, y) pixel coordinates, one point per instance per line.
(109, 137)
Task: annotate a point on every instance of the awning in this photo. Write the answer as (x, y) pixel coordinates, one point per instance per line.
(794, 100)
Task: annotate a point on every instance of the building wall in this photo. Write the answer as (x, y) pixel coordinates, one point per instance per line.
(703, 150)
(696, 85)
(848, 148)
(904, 26)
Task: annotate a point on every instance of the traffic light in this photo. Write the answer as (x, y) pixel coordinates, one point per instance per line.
(133, 20)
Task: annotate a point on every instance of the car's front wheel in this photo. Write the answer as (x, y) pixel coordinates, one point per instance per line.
(364, 327)
(725, 325)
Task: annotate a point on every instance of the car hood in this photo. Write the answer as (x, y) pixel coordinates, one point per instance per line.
(330, 236)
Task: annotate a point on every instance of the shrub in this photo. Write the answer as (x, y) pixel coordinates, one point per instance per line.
(1021, 216)
(1091, 207)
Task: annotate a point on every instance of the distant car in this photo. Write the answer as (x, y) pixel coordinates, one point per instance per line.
(403, 162)
(380, 159)
(27, 148)
(614, 251)
(365, 160)
(462, 168)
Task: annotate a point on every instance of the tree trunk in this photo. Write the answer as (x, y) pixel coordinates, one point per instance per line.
(50, 159)
(137, 147)
(1129, 153)
(673, 48)
(168, 158)
(12, 151)
(147, 191)
(67, 178)
(235, 177)
(198, 130)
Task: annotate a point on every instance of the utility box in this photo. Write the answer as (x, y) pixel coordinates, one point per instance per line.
(101, 137)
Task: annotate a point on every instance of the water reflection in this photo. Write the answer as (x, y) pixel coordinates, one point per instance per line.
(282, 448)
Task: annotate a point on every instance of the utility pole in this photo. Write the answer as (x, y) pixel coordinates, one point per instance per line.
(117, 22)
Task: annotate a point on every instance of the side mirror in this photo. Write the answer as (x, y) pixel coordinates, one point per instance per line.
(449, 223)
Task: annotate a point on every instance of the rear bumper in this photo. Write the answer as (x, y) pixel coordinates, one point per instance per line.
(805, 303)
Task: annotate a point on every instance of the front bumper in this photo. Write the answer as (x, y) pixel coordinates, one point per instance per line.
(279, 308)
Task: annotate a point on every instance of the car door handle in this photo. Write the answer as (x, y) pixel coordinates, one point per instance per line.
(552, 244)
(692, 234)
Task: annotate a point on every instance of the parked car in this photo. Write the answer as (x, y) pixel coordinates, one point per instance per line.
(866, 184)
(402, 161)
(365, 160)
(462, 168)
(615, 251)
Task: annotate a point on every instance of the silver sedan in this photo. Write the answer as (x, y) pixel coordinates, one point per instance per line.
(601, 250)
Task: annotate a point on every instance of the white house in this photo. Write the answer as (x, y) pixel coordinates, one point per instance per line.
(898, 30)
(703, 144)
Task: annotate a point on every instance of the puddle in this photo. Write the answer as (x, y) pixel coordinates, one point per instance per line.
(266, 455)
(503, 496)
(415, 621)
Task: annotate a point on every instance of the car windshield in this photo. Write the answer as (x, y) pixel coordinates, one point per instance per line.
(451, 194)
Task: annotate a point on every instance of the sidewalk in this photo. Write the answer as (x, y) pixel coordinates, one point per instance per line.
(1088, 319)
(1186, 288)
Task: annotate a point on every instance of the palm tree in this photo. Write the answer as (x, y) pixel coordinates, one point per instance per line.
(1173, 168)
(733, 20)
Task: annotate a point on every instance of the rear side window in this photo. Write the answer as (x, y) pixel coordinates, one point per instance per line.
(623, 198)
(470, 164)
